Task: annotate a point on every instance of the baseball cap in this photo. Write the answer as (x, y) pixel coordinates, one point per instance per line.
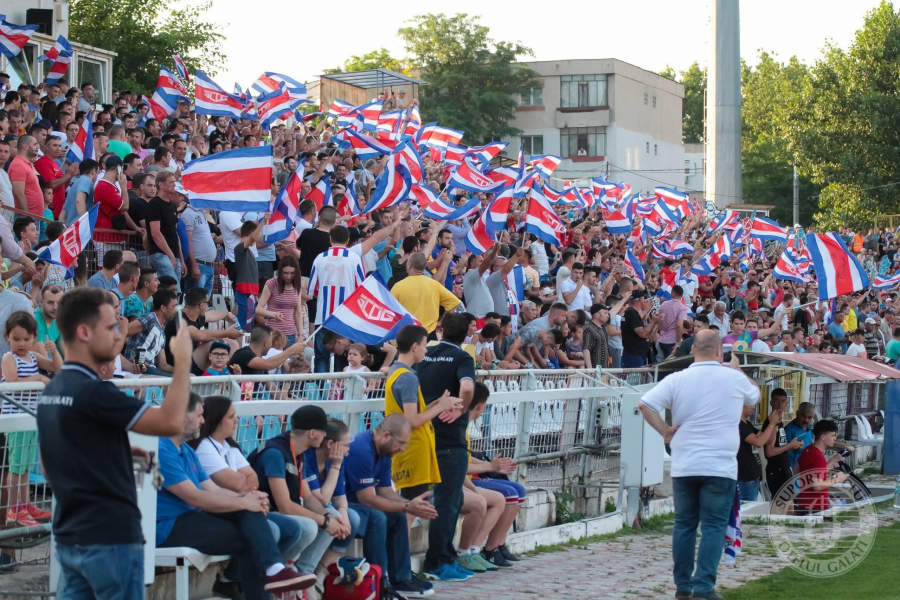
(595, 308)
(113, 161)
(639, 294)
(219, 345)
(870, 321)
(309, 417)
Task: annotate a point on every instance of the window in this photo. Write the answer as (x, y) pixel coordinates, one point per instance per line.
(582, 90)
(654, 101)
(646, 95)
(583, 141)
(687, 167)
(655, 148)
(93, 72)
(648, 147)
(533, 145)
(22, 67)
(533, 97)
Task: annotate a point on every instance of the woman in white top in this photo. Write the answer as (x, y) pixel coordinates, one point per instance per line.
(222, 459)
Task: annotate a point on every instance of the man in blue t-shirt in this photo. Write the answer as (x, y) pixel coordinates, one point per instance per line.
(193, 511)
(838, 335)
(367, 469)
(799, 429)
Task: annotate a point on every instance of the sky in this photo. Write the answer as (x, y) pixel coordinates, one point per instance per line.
(300, 39)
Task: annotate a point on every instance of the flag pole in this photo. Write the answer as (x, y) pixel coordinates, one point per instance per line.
(313, 334)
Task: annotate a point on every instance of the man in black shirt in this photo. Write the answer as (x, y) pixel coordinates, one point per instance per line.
(636, 335)
(313, 242)
(778, 463)
(196, 316)
(83, 426)
(250, 357)
(447, 368)
(749, 465)
(162, 224)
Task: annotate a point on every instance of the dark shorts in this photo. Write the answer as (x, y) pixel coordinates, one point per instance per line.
(775, 479)
(414, 491)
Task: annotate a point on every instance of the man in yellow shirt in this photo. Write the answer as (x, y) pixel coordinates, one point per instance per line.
(421, 295)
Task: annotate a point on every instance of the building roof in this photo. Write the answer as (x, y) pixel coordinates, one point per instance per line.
(835, 366)
(373, 78)
(742, 206)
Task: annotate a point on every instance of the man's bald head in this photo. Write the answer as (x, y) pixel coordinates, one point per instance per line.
(807, 409)
(395, 424)
(707, 345)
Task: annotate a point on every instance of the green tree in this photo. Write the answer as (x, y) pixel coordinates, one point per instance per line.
(472, 80)
(693, 121)
(376, 59)
(145, 34)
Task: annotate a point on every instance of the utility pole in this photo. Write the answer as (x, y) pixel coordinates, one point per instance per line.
(796, 197)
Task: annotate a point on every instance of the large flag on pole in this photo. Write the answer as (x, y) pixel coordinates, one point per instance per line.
(234, 180)
(837, 271)
(370, 315)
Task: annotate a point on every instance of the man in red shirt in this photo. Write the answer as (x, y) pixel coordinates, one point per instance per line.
(26, 189)
(49, 169)
(812, 469)
(111, 193)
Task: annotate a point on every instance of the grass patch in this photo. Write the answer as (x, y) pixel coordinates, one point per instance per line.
(869, 471)
(657, 524)
(874, 577)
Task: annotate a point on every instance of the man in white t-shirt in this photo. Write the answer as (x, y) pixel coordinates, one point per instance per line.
(706, 401)
(858, 346)
(230, 225)
(574, 292)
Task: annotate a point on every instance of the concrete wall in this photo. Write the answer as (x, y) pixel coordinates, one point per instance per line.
(694, 157)
(15, 13)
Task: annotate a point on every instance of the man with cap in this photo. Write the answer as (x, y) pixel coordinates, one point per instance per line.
(400, 100)
(874, 338)
(596, 340)
(278, 464)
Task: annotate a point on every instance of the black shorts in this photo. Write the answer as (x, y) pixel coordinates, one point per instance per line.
(775, 479)
(415, 491)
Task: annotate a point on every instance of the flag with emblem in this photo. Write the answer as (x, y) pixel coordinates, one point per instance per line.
(66, 248)
(370, 315)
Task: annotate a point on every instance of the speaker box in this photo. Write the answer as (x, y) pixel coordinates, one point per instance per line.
(42, 17)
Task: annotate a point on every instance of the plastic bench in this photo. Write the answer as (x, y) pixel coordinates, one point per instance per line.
(246, 435)
(183, 559)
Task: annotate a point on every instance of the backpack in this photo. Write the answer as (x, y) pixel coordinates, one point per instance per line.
(367, 589)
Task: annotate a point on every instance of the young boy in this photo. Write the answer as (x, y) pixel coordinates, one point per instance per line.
(415, 468)
(48, 213)
(246, 283)
(484, 344)
(218, 360)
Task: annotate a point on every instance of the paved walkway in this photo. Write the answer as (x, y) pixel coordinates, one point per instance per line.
(628, 567)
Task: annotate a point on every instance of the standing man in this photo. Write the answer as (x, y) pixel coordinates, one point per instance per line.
(203, 247)
(448, 368)
(83, 426)
(778, 466)
(673, 312)
(162, 220)
(26, 188)
(636, 335)
(706, 401)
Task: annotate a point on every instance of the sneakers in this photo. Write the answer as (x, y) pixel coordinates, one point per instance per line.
(227, 589)
(469, 562)
(504, 551)
(481, 561)
(22, 518)
(446, 572)
(461, 569)
(415, 587)
(288, 579)
(495, 558)
(37, 514)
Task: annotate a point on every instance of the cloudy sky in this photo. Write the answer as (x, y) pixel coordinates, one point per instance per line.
(300, 39)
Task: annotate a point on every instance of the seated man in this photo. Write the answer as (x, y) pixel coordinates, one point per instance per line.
(197, 316)
(193, 511)
(813, 494)
(147, 335)
(368, 487)
(278, 463)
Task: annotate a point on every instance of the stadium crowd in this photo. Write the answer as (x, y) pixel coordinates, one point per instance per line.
(166, 289)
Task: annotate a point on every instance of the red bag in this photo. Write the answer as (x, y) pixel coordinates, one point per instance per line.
(367, 589)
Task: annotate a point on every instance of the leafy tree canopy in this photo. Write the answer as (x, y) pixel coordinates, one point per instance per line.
(376, 59)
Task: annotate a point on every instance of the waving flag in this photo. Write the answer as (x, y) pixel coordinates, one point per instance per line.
(370, 113)
(321, 194)
(66, 248)
(668, 279)
(678, 247)
(234, 180)
(883, 282)
(676, 200)
(606, 189)
(433, 134)
(169, 84)
(370, 315)
(453, 154)
(442, 211)
(339, 107)
(634, 265)
(541, 221)
(485, 154)
(663, 213)
(285, 208)
(349, 205)
(467, 177)
(268, 82)
(161, 105)
(617, 223)
(545, 164)
(481, 235)
(423, 195)
(786, 268)
(727, 220)
(181, 67)
(413, 121)
(651, 227)
(498, 210)
(274, 105)
(210, 99)
(837, 271)
(82, 146)
(367, 147)
(766, 229)
(661, 253)
(14, 37)
(391, 187)
(389, 122)
(722, 248)
(60, 56)
(406, 154)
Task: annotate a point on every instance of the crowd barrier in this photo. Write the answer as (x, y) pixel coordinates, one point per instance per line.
(563, 426)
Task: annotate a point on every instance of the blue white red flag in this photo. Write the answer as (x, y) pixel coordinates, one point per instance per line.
(181, 68)
(617, 223)
(268, 82)
(480, 237)
(545, 164)
(515, 281)
(169, 84)
(423, 195)
(837, 271)
(663, 213)
(767, 229)
(161, 106)
(389, 122)
(678, 247)
(485, 154)
(271, 107)
(606, 189)
(349, 204)
(433, 134)
(60, 56)
(676, 200)
(391, 187)
(339, 107)
(370, 315)
(370, 113)
(65, 249)
(366, 146)
(727, 220)
(467, 177)
(235, 180)
(14, 37)
(883, 282)
(541, 221)
(321, 194)
(634, 264)
(285, 208)
(82, 146)
(498, 210)
(786, 268)
(441, 211)
(453, 154)
(210, 99)
(668, 279)
(661, 253)
(306, 117)
(406, 154)
(650, 227)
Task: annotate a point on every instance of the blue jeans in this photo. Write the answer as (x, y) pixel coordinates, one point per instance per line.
(287, 533)
(322, 361)
(386, 542)
(630, 361)
(163, 266)
(707, 501)
(448, 500)
(101, 572)
(291, 340)
(312, 554)
(207, 276)
(748, 491)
